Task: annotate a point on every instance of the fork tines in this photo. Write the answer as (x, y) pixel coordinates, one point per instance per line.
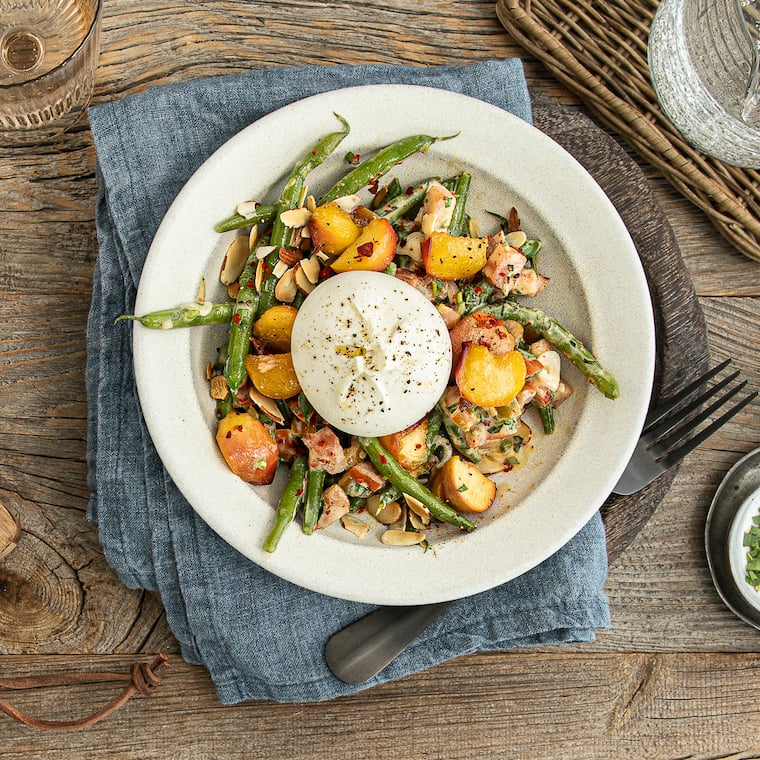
(668, 426)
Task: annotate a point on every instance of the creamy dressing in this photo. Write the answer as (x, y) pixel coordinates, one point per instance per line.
(371, 353)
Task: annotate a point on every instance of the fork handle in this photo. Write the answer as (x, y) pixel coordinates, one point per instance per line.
(362, 649)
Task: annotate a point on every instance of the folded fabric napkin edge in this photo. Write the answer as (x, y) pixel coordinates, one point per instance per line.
(154, 538)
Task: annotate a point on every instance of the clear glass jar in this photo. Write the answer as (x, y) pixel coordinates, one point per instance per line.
(703, 61)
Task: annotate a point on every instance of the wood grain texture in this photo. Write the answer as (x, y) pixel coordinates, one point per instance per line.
(538, 707)
(674, 672)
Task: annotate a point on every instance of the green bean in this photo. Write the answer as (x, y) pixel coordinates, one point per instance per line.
(315, 481)
(400, 205)
(547, 416)
(263, 213)
(561, 338)
(289, 502)
(383, 161)
(289, 199)
(393, 472)
(459, 217)
(435, 420)
(241, 325)
(186, 315)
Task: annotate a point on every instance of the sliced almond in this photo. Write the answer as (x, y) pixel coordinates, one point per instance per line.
(219, 388)
(516, 239)
(259, 277)
(279, 269)
(311, 204)
(417, 506)
(356, 526)
(303, 283)
(247, 208)
(264, 250)
(473, 228)
(266, 404)
(253, 237)
(234, 260)
(290, 256)
(348, 202)
(400, 524)
(311, 268)
(201, 295)
(295, 217)
(392, 537)
(417, 522)
(285, 290)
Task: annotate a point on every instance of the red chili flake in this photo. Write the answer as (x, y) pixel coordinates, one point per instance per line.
(383, 459)
(478, 290)
(299, 491)
(324, 273)
(409, 190)
(229, 434)
(236, 318)
(366, 249)
(249, 283)
(314, 153)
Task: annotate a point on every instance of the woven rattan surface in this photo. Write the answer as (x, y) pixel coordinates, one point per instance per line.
(598, 49)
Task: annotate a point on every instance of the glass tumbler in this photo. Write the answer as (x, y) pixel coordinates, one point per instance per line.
(703, 61)
(48, 56)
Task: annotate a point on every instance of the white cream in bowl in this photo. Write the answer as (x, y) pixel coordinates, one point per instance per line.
(371, 353)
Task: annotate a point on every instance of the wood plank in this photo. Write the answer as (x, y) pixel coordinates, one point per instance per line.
(481, 706)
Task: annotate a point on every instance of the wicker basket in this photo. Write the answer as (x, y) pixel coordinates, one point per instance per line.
(598, 50)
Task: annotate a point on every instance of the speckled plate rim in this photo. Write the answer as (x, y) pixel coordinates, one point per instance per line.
(600, 293)
(739, 483)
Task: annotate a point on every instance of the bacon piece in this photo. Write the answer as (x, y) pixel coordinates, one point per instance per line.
(325, 451)
(336, 505)
(366, 474)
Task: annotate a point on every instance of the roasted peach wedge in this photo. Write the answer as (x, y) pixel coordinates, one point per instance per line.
(248, 448)
(332, 228)
(488, 379)
(451, 257)
(373, 250)
(481, 328)
(464, 486)
(274, 327)
(409, 447)
(273, 375)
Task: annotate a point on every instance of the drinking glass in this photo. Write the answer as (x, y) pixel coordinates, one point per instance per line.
(48, 56)
(703, 61)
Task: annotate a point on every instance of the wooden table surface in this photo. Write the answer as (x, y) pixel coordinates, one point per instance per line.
(674, 677)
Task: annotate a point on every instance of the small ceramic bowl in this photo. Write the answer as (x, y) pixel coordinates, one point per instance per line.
(737, 552)
(736, 503)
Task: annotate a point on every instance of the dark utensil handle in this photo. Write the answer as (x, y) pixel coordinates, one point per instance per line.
(364, 648)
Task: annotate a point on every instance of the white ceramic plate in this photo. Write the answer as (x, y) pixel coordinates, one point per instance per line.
(597, 290)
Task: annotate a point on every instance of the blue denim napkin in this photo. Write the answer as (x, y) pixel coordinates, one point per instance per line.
(259, 636)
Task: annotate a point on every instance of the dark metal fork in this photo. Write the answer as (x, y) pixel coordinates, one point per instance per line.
(364, 648)
(671, 429)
